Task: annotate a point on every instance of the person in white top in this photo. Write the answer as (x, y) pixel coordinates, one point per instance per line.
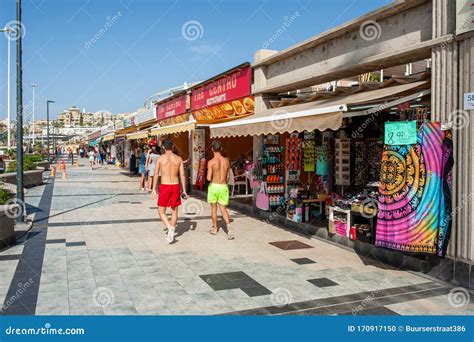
(151, 162)
(91, 155)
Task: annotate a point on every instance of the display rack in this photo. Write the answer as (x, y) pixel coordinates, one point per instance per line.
(293, 162)
(273, 170)
(339, 221)
(342, 156)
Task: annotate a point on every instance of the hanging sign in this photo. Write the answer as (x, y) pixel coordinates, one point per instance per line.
(172, 107)
(468, 101)
(224, 89)
(400, 133)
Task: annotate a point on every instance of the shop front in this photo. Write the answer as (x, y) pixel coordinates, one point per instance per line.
(362, 165)
(174, 123)
(121, 148)
(223, 98)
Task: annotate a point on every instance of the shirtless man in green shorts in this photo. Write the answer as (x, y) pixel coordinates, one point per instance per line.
(218, 191)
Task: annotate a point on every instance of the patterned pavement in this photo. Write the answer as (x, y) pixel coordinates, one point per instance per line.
(97, 247)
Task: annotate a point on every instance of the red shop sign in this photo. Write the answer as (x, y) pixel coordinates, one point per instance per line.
(226, 88)
(171, 108)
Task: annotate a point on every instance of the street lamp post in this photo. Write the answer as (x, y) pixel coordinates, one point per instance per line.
(47, 128)
(10, 32)
(34, 132)
(19, 115)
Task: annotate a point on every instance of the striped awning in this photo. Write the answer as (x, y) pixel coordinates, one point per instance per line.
(177, 128)
(109, 137)
(138, 135)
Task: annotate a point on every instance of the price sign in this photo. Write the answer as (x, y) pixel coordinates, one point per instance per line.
(400, 133)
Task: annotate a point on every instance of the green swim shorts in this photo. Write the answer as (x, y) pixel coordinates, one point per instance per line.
(218, 193)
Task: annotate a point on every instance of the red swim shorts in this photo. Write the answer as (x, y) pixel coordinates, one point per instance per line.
(169, 195)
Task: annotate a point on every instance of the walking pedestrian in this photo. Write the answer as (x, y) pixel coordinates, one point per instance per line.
(218, 190)
(152, 158)
(91, 155)
(141, 167)
(172, 171)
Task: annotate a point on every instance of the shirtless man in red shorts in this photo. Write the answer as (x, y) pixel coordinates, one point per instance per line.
(169, 195)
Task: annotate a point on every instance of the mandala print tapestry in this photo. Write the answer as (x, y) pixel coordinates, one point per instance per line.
(414, 210)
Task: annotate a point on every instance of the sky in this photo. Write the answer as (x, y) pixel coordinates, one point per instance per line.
(112, 54)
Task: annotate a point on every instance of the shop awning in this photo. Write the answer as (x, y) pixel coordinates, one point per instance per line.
(109, 137)
(138, 135)
(177, 128)
(94, 142)
(317, 115)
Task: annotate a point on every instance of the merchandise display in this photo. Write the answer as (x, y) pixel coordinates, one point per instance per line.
(374, 158)
(309, 156)
(273, 170)
(414, 208)
(322, 159)
(343, 162)
(360, 163)
(293, 161)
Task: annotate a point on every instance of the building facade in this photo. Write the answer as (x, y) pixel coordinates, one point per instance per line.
(431, 32)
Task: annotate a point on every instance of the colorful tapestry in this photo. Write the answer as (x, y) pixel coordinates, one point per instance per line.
(414, 210)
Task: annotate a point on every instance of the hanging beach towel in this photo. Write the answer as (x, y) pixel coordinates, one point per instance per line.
(255, 178)
(262, 201)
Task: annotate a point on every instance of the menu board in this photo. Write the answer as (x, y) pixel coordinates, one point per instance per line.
(225, 111)
(174, 120)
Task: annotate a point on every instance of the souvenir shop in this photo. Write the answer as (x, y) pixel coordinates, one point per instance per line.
(366, 163)
(223, 98)
(138, 139)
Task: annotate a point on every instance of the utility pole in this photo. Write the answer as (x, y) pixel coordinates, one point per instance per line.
(10, 32)
(47, 128)
(20, 196)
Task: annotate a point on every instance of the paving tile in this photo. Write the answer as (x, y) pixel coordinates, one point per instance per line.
(52, 310)
(303, 261)
(153, 311)
(322, 282)
(290, 245)
(86, 310)
(126, 256)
